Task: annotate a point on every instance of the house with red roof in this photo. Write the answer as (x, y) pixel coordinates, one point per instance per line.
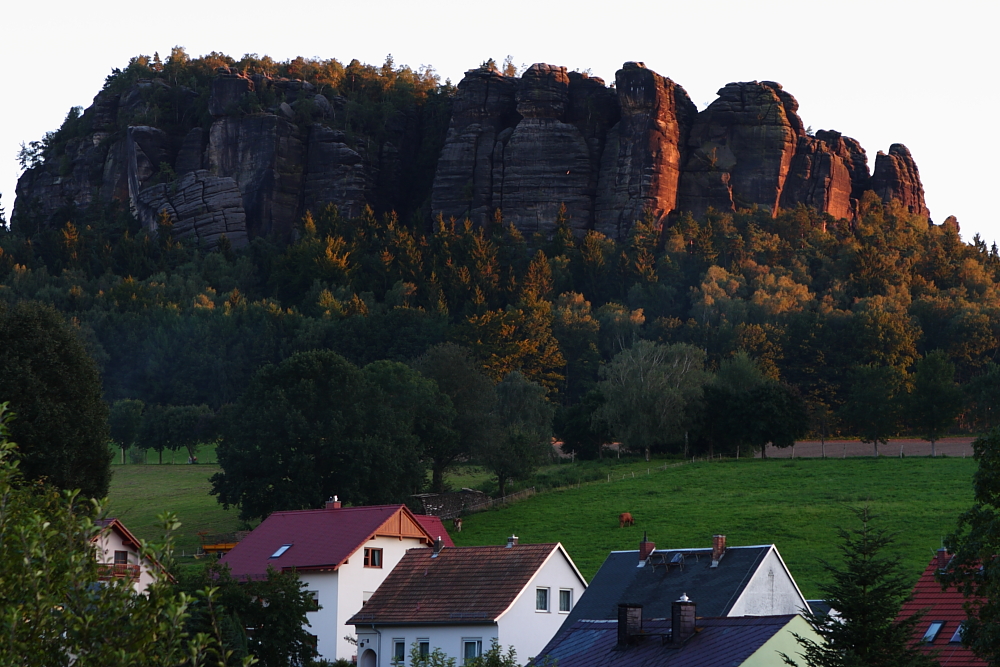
(119, 558)
(461, 599)
(939, 630)
(342, 554)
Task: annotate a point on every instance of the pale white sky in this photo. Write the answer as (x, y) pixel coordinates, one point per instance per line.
(881, 71)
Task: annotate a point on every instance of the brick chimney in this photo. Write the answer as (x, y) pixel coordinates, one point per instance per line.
(718, 549)
(645, 548)
(629, 623)
(943, 558)
(682, 616)
(333, 503)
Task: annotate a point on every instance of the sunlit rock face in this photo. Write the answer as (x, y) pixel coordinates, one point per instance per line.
(521, 149)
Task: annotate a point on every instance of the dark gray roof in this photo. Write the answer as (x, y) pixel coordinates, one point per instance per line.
(667, 575)
(720, 642)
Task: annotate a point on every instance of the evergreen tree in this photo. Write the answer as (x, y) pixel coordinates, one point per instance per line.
(867, 590)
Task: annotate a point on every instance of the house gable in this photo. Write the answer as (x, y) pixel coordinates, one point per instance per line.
(771, 590)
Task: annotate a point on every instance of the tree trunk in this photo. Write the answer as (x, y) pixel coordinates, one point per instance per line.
(161, 456)
(437, 479)
(685, 444)
(822, 448)
(876, 449)
(123, 455)
(647, 454)
(933, 450)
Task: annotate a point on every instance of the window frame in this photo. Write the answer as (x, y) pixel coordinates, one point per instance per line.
(373, 554)
(548, 599)
(280, 551)
(398, 651)
(124, 557)
(569, 603)
(424, 647)
(466, 641)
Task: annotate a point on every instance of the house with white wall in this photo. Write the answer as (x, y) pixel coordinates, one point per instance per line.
(725, 581)
(342, 554)
(118, 556)
(461, 599)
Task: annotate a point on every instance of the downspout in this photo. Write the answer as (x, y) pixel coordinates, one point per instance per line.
(378, 654)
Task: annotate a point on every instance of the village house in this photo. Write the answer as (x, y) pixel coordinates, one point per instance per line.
(683, 639)
(462, 599)
(723, 580)
(940, 628)
(342, 554)
(118, 556)
(685, 607)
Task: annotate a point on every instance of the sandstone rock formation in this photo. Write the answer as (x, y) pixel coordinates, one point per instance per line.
(201, 207)
(896, 177)
(521, 146)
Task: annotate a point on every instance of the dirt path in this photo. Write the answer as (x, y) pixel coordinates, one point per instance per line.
(958, 446)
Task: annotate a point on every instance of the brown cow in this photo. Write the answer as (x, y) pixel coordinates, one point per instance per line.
(625, 519)
(457, 523)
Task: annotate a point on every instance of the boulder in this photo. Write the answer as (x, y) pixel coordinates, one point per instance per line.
(896, 177)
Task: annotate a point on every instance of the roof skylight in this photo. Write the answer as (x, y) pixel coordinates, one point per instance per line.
(932, 631)
(282, 549)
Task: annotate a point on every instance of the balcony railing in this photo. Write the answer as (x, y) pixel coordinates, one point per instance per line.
(107, 571)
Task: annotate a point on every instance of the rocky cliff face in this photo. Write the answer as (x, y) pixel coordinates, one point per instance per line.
(521, 147)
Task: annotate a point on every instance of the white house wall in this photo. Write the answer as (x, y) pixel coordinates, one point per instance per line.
(108, 542)
(323, 623)
(448, 638)
(528, 630)
(347, 595)
(770, 591)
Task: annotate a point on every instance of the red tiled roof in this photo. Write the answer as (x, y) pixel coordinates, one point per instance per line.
(434, 527)
(458, 585)
(940, 606)
(319, 539)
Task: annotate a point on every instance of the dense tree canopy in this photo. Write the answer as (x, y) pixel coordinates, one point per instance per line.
(54, 388)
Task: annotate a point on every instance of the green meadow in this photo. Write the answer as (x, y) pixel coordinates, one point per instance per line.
(796, 504)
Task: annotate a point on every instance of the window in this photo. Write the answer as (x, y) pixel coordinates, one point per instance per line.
(424, 647)
(957, 637)
(471, 649)
(121, 558)
(373, 557)
(542, 599)
(565, 599)
(366, 596)
(932, 631)
(282, 549)
(399, 652)
(313, 601)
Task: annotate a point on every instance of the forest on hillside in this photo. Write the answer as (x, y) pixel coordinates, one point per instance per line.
(827, 315)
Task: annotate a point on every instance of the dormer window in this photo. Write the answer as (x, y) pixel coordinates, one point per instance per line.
(282, 549)
(932, 631)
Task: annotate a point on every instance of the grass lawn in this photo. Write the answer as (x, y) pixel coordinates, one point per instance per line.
(140, 492)
(796, 504)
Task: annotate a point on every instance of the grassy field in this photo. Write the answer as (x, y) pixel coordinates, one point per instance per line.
(140, 492)
(796, 504)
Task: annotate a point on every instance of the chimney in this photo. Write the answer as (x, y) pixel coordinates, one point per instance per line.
(512, 541)
(943, 558)
(333, 503)
(718, 549)
(629, 623)
(645, 548)
(681, 620)
(438, 546)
